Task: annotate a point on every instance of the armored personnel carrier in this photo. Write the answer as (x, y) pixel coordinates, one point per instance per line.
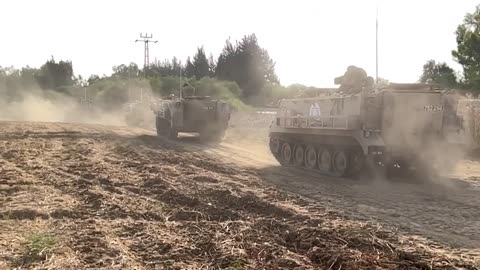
(192, 114)
(400, 126)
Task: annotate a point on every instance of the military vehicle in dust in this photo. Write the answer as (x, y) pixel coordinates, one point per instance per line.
(191, 114)
(399, 126)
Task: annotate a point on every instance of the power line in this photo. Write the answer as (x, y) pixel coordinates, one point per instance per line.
(145, 38)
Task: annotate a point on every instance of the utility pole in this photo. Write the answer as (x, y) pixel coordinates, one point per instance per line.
(145, 38)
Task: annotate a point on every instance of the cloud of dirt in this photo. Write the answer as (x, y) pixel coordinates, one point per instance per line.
(417, 128)
(52, 106)
(249, 128)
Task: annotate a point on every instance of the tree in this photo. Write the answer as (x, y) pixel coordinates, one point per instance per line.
(165, 68)
(10, 84)
(211, 66)
(201, 65)
(176, 67)
(439, 73)
(468, 48)
(189, 69)
(126, 72)
(247, 64)
(225, 69)
(381, 82)
(27, 75)
(52, 75)
(92, 79)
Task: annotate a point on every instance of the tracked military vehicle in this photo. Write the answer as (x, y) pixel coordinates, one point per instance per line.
(191, 114)
(400, 126)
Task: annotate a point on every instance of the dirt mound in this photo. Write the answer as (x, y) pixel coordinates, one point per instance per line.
(96, 198)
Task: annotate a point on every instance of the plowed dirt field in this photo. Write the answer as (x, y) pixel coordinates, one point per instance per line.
(78, 196)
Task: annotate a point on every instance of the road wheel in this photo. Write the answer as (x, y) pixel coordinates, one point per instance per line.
(275, 149)
(310, 157)
(299, 155)
(287, 154)
(325, 160)
(340, 163)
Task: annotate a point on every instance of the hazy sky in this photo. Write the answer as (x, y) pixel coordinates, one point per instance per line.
(311, 41)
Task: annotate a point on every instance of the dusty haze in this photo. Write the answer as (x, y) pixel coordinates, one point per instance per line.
(51, 106)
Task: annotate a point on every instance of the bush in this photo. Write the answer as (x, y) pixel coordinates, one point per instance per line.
(112, 93)
(225, 90)
(165, 86)
(112, 97)
(169, 85)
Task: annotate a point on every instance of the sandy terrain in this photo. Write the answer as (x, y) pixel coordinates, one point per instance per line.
(91, 196)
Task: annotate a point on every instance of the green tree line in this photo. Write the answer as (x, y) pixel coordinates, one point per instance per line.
(243, 74)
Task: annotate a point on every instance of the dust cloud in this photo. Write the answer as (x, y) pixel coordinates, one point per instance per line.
(412, 127)
(52, 106)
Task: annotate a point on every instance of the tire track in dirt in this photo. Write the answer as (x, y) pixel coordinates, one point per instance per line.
(444, 210)
(444, 214)
(337, 195)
